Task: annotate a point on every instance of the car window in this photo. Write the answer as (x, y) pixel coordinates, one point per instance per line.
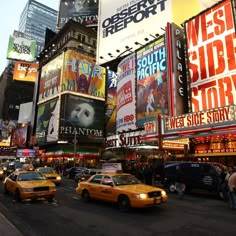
(106, 180)
(125, 180)
(46, 170)
(96, 179)
(28, 176)
(13, 177)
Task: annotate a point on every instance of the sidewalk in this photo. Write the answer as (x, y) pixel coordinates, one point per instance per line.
(7, 228)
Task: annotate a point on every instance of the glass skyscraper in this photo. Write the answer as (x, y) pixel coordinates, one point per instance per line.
(34, 20)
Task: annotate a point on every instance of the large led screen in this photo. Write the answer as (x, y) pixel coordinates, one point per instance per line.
(82, 11)
(50, 79)
(82, 75)
(152, 84)
(212, 61)
(84, 116)
(126, 114)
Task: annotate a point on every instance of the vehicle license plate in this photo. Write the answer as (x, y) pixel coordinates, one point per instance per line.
(156, 201)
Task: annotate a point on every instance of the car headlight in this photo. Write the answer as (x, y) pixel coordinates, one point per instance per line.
(163, 193)
(140, 196)
(27, 190)
(52, 187)
(1, 172)
(58, 177)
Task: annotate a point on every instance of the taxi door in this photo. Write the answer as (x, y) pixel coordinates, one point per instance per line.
(106, 189)
(11, 182)
(94, 187)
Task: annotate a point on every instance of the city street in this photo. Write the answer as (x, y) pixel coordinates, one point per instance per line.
(196, 214)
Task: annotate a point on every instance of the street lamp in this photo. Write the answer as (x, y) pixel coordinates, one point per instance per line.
(75, 138)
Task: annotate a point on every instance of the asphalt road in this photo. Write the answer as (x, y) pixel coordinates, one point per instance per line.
(196, 214)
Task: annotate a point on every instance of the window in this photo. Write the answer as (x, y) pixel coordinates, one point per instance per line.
(107, 180)
(96, 179)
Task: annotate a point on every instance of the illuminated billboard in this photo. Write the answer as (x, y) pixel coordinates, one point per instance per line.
(211, 52)
(50, 79)
(47, 121)
(25, 71)
(126, 114)
(84, 116)
(111, 103)
(152, 84)
(82, 75)
(20, 48)
(19, 137)
(6, 130)
(82, 11)
(125, 22)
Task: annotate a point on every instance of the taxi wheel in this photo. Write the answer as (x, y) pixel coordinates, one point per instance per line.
(17, 195)
(85, 195)
(124, 203)
(172, 188)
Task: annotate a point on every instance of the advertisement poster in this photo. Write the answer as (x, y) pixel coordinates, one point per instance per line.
(82, 75)
(84, 116)
(20, 48)
(126, 115)
(83, 11)
(111, 103)
(47, 122)
(6, 130)
(50, 79)
(211, 52)
(25, 71)
(19, 137)
(152, 97)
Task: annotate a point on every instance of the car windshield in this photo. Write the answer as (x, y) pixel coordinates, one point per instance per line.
(31, 176)
(125, 180)
(46, 170)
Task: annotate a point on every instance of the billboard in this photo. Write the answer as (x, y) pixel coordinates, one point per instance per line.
(50, 79)
(82, 11)
(25, 71)
(6, 130)
(84, 116)
(82, 75)
(47, 121)
(152, 84)
(25, 113)
(111, 103)
(125, 22)
(19, 137)
(178, 102)
(126, 114)
(211, 52)
(20, 48)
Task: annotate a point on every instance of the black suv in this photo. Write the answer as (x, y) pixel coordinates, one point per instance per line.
(197, 175)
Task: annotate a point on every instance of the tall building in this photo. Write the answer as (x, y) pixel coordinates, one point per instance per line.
(35, 19)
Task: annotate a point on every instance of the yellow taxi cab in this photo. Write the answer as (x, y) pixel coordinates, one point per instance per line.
(50, 174)
(25, 184)
(121, 188)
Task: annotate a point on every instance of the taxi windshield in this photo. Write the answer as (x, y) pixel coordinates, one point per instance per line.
(46, 170)
(125, 180)
(31, 176)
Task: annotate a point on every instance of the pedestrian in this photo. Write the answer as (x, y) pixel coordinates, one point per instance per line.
(179, 182)
(231, 179)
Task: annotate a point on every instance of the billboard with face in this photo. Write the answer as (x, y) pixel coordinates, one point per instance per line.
(84, 116)
(21, 49)
(25, 71)
(126, 115)
(49, 84)
(111, 103)
(211, 53)
(82, 11)
(82, 75)
(19, 137)
(152, 86)
(47, 121)
(6, 130)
